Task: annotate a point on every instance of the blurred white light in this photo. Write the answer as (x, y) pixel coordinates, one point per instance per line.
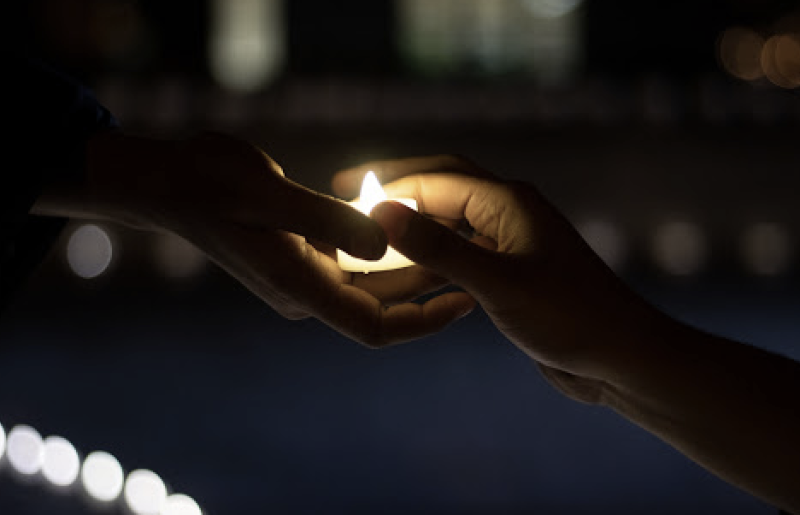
(680, 248)
(180, 504)
(102, 476)
(178, 258)
(542, 38)
(2, 441)
(552, 8)
(60, 464)
(766, 248)
(89, 251)
(425, 35)
(145, 492)
(606, 239)
(247, 44)
(25, 450)
(555, 50)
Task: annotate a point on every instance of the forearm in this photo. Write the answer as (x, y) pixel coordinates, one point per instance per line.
(52, 116)
(125, 175)
(732, 408)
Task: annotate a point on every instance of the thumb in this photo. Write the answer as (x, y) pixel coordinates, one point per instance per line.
(435, 246)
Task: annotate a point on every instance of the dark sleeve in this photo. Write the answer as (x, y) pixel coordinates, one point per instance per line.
(49, 116)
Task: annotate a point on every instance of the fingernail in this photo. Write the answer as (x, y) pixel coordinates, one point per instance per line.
(393, 217)
(369, 246)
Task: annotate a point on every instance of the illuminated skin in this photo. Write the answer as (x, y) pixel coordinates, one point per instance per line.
(273, 235)
(371, 195)
(730, 407)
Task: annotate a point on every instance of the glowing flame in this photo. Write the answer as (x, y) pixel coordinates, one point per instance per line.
(371, 193)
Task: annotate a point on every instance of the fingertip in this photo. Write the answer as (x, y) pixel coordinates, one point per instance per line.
(370, 244)
(393, 217)
(347, 183)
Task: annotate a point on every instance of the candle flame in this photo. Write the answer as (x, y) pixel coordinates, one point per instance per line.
(371, 193)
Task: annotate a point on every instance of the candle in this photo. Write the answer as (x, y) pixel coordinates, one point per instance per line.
(371, 195)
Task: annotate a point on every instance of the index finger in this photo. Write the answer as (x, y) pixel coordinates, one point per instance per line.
(447, 195)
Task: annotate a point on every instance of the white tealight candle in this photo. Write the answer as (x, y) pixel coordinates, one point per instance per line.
(371, 195)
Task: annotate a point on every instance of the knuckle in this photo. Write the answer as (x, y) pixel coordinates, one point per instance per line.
(462, 164)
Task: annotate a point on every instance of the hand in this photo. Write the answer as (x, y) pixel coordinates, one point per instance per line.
(729, 406)
(274, 236)
(540, 283)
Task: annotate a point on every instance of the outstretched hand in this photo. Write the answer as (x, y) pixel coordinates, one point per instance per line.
(529, 269)
(273, 235)
(725, 404)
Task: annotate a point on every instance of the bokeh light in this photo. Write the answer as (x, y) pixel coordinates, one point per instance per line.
(766, 248)
(787, 59)
(739, 51)
(780, 59)
(247, 43)
(680, 248)
(145, 492)
(2, 441)
(89, 251)
(180, 504)
(552, 8)
(60, 463)
(539, 38)
(102, 476)
(25, 450)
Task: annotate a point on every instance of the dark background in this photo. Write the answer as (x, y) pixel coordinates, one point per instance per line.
(246, 412)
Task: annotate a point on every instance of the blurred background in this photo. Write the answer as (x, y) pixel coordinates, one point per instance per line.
(667, 132)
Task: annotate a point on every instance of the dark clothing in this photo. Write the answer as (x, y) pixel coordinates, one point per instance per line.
(49, 118)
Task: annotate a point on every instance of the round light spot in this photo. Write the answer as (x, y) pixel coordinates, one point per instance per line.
(61, 464)
(679, 248)
(25, 450)
(102, 476)
(780, 59)
(89, 251)
(606, 239)
(180, 504)
(787, 59)
(145, 492)
(247, 43)
(766, 248)
(740, 53)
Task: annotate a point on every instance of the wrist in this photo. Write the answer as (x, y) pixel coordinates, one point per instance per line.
(654, 346)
